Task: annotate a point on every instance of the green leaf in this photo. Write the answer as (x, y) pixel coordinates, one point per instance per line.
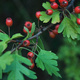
(18, 35)
(17, 70)
(69, 28)
(3, 46)
(40, 43)
(32, 29)
(27, 33)
(46, 60)
(0, 73)
(5, 59)
(44, 17)
(73, 18)
(4, 37)
(46, 5)
(55, 17)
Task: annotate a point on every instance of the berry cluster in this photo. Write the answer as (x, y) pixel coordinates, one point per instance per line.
(54, 6)
(30, 56)
(28, 25)
(54, 32)
(77, 11)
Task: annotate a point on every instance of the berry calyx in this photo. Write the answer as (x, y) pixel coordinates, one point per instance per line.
(38, 14)
(77, 10)
(57, 26)
(52, 0)
(26, 43)
(30, 55)
(32, 66)
(9, 22)
(28, 25)
(55, 31)
(54, 5)
(49, 12)
(64, 3)
(51, 34)
(78, 21)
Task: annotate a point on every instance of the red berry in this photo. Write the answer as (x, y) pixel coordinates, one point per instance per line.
(49, 12)
(28, 25)
(21, 45)
(26, 43)
(27, 32)
(55, 31)
(38, 14)
(30, 55)
(9, 22)
(78, 21)
(32, 66)
(77, 9)
(31, 60)
(57, 26)
(64, 3)
(60, 1)
(52, 35)
(52, 0)
(54, 5)
(24, 31)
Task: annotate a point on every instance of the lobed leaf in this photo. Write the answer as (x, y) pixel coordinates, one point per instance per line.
(69, 28)
(0, 73)
(3, 46)
(46, 60)
(17, 70)
(46, 18)
(46, 5)
(5, 59)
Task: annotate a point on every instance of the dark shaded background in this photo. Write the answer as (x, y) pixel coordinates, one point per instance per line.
(24, 10)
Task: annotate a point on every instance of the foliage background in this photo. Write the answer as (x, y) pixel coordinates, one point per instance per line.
(24, 10)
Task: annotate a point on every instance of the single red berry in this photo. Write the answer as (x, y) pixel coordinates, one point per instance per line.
(24, 30)
(52, 0)
(38, 14)
(26, 43)
(78, 21)
(27, 32)
(77, 9)
(57, 26)
(64, 3)
(9, 22)
(49, 12)
(60, 1)
(55, 31)
(28, 25)
(51, 34)
(54, 5)
(31, 60)
(30, 55)
(32, 66)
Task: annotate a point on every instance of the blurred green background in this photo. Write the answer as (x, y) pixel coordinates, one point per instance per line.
(69, 55)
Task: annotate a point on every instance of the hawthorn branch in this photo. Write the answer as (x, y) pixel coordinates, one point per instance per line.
(35, 36)
(71, 4)
(43, 29)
